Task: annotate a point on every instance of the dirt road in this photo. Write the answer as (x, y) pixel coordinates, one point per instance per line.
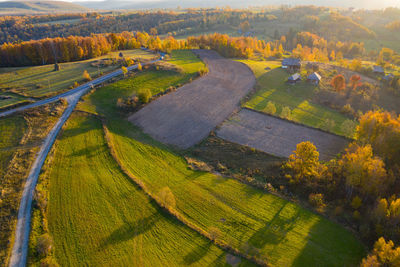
(185, 117)
(20, 247)
(276, 136)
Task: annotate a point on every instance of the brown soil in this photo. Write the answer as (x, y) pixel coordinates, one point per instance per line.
(276, 136)
(185, 117)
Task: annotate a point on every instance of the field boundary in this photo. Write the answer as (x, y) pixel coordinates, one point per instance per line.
(218, 242)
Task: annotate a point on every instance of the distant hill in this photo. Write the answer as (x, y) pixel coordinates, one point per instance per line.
(39, 7)
(150, 4)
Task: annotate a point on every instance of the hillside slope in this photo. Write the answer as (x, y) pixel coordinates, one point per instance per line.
(38, 7)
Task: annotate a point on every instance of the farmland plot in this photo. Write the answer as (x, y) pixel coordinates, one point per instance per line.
(183, 118)
(276, 136)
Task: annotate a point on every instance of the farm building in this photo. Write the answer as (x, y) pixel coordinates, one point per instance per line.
(291, 64)
(294, 78)
(314, 78)
(379, 70)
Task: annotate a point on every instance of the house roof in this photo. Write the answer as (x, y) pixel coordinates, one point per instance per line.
(378, 69)
(291, 62)
(314, 76)
(295, 77)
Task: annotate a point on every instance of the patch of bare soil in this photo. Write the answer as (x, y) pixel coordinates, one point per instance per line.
(276, 136)
(185, 117)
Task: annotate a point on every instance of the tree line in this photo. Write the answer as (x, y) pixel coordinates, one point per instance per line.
(74, 48)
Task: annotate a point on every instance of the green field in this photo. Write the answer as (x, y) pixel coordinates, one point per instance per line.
(12, 130)
(282, 231)
(41, 81)
(155, 80)
(98, 217)
(272, 86)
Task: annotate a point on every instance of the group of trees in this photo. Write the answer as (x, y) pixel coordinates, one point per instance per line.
(365, 180)
(73, 48)
(312, 47)
(243, 47)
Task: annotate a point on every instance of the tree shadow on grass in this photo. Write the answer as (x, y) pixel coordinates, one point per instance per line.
(89, 151)
(197, 253)
(329, 244)
(129, 231)
(275, 230)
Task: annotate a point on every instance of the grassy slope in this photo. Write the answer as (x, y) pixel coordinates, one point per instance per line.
(272, 86)
(24, 80)
(98, 217)
(12, 130)
(286, 233)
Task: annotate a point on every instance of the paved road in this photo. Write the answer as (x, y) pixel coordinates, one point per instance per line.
(20, 248)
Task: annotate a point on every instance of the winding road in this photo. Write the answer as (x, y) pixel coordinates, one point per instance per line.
(21, 240)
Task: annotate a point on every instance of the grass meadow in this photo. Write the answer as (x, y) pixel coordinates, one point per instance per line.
(272, 86)
(42, 81)
(98, 217)
(12, 130)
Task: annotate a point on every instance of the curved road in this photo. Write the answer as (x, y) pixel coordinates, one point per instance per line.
(21, 240)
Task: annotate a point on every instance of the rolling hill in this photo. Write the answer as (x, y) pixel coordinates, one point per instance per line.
(141, 4)
(39, 7)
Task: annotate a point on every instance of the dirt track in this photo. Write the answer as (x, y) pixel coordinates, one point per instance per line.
(185, 117)
(276, 136)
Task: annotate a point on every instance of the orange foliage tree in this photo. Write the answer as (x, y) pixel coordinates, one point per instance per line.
(339, 83)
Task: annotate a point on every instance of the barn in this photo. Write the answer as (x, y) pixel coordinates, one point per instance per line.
(314, 78)
(291, 64)
(294, 78)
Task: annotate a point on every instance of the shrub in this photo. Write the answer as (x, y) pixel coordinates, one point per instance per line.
(348, 127)
(86, 76)
(317, 200)
(167, 198)
(144, 95)
(202, 71)
(139, 67)
(328, 125)
(124, 70)
(44, 245)
(214, 233)
(356, 202)
(270, 108)
(286, 113)
(347, 109)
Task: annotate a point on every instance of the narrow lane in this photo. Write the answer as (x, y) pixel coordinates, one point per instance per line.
(20, 248)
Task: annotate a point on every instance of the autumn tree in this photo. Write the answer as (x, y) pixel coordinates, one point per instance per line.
(383, 254)
(124, 70)
(355, 81)
(304, 163)
(86, 76)
(382, 131)
(363, 171)
(339, 83)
